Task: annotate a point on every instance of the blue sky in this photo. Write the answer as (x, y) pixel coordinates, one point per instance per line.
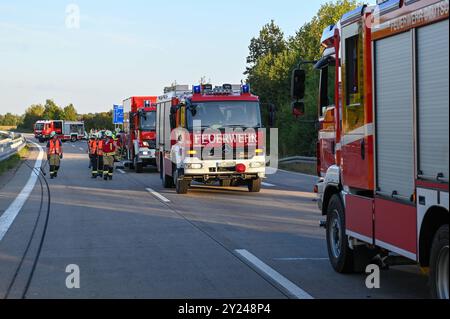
(125, 48)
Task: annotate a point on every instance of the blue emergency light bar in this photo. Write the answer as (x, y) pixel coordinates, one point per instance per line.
(197, 89)
(246, 88)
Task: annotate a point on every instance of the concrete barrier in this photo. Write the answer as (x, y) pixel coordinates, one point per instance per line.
(11, 144)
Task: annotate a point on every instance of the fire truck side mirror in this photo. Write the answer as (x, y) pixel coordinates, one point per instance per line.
(298, 84)
(298, 109)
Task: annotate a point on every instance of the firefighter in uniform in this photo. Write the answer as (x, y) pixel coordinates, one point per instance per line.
(93, 155)
(109, 151)
(54, 154)
(90, 143)
(99, 153)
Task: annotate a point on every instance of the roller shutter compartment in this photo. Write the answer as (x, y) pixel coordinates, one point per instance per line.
(394, 115)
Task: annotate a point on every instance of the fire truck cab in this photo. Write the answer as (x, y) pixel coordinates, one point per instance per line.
(383, 151)
(210, 135)
(139, 140)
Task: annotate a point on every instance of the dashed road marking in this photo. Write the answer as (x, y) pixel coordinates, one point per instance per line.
(8, 217)
(121, 171)
(81, 149)
(279, 279)
(158, 195)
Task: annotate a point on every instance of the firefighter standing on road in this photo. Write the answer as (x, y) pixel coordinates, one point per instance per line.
(54, 154)
(93, 155)
(99, 153)
(109, 151)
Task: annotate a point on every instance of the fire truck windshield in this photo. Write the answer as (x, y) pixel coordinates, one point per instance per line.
(226, 114)
(39, 126)
(148, 122)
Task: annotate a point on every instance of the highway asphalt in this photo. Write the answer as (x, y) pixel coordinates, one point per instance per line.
(131, 238)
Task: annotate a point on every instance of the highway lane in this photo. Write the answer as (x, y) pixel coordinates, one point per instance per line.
(130, 243)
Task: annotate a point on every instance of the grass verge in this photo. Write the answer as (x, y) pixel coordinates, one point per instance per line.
(304, 168)
(13, 161)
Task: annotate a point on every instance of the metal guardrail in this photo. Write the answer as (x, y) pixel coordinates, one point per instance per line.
(298, 159)
(10, 145)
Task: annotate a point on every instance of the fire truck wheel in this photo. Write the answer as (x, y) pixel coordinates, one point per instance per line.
(254, 185)
(138, 167)
(340, 254)
(73, 139)
(439, 264)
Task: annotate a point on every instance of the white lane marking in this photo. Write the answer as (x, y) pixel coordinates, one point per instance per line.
(268, 185)
(81, 149)
(158, 195)
(8, 217)
(73, 146)
(300, 259)
(288, 285)
(121, 171)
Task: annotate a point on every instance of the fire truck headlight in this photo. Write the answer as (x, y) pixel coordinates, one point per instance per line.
(257, 165)
(194, 166)
(146, 144)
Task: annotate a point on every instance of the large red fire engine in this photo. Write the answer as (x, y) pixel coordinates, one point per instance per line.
(210, 135)
(140, 131)
(383, 152)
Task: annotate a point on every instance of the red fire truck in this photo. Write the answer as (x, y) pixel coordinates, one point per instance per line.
(140, 132)
(383, 152)
(66, 130)
(210, 135)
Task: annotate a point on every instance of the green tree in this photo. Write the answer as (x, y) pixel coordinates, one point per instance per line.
(70, 113)
(33, 114)
(52, 111)
(98, 121)
(10, 119)
(270, 41)
(269, 74)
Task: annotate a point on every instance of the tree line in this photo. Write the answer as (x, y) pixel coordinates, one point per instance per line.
(51, 111)
(273, 57)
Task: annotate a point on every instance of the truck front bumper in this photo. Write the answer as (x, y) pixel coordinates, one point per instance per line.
(218, 169)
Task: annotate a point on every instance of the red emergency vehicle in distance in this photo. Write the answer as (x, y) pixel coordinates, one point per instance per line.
(383, 149)
(140, 132)
(66, 130)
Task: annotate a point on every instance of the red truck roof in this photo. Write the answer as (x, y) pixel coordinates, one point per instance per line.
(135, 103)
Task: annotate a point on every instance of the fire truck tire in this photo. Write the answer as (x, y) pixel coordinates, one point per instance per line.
(254, 185)
(339, 252)
(139, 168)
(439, 264)
(181, 186)
(73, 139)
